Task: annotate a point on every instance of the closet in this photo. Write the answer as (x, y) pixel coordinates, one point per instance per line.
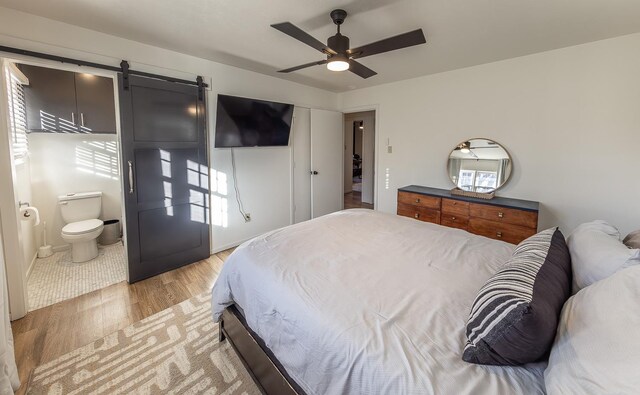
(317, 141)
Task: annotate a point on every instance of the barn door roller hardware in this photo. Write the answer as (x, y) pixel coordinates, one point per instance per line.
(124, 66)
(201, 86)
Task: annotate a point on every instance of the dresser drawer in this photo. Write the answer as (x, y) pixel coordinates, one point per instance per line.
(512, 216)
(513, 234)
(454, 221)
(418, 200)
(455, 207)
(420, 213)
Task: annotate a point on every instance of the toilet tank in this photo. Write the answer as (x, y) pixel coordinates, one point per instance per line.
(80, 206)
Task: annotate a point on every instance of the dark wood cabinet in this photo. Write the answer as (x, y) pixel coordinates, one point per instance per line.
(510, 220)
(96, 108)
(51, 99)
(61, 101)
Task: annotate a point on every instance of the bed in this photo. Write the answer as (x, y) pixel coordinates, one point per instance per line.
(363, 302)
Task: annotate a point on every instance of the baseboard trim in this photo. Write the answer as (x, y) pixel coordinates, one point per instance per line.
(30, 268)
(63, 247)
(218, 249)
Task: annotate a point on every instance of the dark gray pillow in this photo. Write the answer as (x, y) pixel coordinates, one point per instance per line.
(514, 318)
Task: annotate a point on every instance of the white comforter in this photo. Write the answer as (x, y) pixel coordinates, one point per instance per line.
(360, 302)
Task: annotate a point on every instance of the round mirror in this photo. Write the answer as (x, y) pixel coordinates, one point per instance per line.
(479, 165)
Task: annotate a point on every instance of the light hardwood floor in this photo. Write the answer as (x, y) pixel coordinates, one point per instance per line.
(354, 200)
(45, 334)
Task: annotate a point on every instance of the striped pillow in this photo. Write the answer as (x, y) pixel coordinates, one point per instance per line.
(514, 318)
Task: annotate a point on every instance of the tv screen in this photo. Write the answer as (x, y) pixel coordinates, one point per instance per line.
(242, 122)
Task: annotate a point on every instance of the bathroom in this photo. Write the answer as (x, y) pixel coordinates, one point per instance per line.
(67, 178)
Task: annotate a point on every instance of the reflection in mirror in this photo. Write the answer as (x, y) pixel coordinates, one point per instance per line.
(479, 165)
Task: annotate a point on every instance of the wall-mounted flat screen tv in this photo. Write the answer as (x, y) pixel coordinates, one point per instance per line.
(242, 122)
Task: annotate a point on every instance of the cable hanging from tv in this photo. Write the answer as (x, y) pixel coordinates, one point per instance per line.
(235, 186)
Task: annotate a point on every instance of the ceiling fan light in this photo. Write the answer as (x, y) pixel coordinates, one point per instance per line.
(465, 150)
(338, 65)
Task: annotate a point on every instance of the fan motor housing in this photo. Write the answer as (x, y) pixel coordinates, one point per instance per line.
(338, 43)
(338, 16)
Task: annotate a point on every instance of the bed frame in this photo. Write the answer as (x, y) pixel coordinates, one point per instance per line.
(264, 368)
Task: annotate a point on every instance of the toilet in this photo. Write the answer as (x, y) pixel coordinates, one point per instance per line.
(80, 212)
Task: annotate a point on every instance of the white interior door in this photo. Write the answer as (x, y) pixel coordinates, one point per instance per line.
(10, 227)
(368, 153)
(326, 162)
(348, 155)
(301, 143)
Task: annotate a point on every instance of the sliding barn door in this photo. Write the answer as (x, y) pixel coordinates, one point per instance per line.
(165, 168)
(326, 162)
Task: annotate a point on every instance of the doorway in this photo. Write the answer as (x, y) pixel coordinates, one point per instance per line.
(359, 159)
(64, 195)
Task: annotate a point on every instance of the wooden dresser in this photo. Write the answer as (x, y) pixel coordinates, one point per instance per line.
(510, 220)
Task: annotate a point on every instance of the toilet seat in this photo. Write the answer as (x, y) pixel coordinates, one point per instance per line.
(82, 227)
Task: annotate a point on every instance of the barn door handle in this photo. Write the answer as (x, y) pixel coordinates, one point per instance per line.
(130, 176)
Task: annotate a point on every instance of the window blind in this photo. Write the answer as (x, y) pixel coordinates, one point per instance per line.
(17, 114)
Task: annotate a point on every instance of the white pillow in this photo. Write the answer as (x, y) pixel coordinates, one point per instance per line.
(633, 239)
(596, 350)
(597, 252)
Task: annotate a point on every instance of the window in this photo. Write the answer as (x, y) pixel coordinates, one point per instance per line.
(17, 111)
(477, 180)
(486, 181)
(466, 179)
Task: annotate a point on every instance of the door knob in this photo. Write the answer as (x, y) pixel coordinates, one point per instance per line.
(314, 172)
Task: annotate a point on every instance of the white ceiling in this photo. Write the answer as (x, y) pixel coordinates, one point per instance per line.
(460, 33)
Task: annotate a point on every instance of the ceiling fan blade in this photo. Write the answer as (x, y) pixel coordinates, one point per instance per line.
(303, 66)
(409, 39)
(300, 35)
(360, 69)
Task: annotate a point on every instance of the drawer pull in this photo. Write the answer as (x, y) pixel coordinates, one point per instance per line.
(417, 215)
(501, 214)
(454, 203)
(417, 200)
(453, 218)
(499, 235)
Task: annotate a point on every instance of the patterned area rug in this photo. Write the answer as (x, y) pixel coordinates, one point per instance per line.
(175, 351)
(57, 278)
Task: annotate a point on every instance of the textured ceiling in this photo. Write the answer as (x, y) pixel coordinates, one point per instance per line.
(460, 33)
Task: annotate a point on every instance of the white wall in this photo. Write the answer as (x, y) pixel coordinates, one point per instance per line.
(570, 119)
(265, 172)
(69, 163)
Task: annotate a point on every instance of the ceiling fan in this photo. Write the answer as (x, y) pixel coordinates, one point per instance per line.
(339, 56)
